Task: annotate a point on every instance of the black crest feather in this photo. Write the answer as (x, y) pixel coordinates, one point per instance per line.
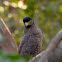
(26, 19)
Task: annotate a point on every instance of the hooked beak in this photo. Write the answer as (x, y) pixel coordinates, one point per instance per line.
(26, 24)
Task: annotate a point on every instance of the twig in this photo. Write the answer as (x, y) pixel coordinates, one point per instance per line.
(9, 45)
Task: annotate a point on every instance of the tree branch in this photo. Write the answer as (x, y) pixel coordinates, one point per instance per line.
(9, 44)
(44, 56)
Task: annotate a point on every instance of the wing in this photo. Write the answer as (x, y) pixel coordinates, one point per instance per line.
(31, 46)
(21, 45)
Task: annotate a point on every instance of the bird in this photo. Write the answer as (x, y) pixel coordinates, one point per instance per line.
(31, 43)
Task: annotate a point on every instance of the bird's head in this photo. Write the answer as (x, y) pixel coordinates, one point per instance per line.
(28, 22)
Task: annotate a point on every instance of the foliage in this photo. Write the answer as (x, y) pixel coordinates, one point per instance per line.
(47, 14)
(5, 57)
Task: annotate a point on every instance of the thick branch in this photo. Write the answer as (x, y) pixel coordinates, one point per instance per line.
(44, 56)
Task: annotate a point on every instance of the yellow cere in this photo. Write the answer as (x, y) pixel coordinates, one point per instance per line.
(28, 22)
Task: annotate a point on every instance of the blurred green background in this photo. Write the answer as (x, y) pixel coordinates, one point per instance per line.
(47, 14)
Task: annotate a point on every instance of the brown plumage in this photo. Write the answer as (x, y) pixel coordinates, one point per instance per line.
(31, 43)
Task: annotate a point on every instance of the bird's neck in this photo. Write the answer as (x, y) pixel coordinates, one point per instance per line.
(27, 30)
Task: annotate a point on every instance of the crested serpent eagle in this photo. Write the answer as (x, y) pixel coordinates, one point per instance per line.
(31, 43)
